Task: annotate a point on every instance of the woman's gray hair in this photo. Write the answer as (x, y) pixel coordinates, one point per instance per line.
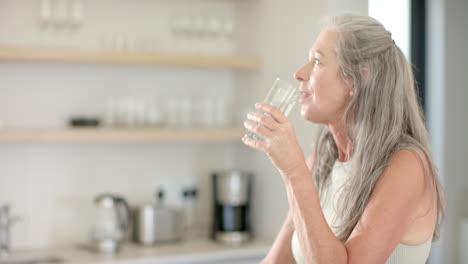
(383, 117)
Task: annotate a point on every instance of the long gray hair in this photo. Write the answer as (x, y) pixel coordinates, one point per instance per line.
(383, 116)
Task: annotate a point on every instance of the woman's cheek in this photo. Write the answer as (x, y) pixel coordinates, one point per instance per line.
(314, 87)
(319, 90)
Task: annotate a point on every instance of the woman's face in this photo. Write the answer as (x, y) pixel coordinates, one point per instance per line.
(324, 95)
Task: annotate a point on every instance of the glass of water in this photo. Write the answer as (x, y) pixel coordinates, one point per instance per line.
(282, 95)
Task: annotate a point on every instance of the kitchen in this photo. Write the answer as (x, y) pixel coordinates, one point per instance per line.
(222, 56)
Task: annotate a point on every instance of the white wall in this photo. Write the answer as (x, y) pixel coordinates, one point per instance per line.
(447, 95)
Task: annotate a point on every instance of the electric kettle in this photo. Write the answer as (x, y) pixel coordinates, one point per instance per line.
(112, 223)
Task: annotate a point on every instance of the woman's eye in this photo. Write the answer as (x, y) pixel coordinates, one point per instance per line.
(316, 61)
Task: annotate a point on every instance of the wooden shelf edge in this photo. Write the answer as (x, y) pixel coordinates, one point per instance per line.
(109, 135)
(76, 55)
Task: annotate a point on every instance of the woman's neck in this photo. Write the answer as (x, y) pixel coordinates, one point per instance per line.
(342, 140)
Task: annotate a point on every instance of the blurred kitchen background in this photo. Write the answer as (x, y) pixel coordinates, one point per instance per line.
(104, 101)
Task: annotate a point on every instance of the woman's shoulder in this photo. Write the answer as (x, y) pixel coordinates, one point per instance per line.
(395, 203)
(410, 170)
(409, 154)
(404, 164)
(410, 160)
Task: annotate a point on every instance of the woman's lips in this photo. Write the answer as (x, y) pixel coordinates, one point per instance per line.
(304, 96)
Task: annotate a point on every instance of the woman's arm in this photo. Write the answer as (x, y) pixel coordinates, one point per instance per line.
(317, 241)
(281, 251)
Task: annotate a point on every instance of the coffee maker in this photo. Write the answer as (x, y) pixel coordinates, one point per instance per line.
(231, 206)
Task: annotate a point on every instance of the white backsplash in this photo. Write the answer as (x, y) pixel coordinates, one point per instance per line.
(52, 187)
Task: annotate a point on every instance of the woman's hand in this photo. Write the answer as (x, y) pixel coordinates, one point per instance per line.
(280, 143)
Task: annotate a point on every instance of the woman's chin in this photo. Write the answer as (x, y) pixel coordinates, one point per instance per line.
(307, 108)
(309, 114)
(305, 112)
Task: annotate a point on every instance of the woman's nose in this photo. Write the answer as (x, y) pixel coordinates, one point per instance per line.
(302, 74)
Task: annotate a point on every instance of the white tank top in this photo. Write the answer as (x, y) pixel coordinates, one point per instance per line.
(403, 253)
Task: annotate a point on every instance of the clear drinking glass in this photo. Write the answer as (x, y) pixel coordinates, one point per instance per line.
(283, 95)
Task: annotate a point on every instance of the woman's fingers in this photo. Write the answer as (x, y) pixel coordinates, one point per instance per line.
(274, 112)
(256, 144)
(263, 119)
(258, 129)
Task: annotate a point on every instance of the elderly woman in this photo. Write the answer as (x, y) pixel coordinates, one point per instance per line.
(368, 192)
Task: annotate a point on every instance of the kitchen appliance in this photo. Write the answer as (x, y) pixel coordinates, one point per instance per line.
(231, 202)
(156, 222)
(6, 221)
(189, 201)
(112, 223)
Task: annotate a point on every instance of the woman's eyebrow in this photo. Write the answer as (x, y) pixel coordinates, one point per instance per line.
(312, 52)
(319, 53)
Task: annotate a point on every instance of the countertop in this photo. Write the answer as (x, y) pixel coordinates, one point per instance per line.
(194, 251)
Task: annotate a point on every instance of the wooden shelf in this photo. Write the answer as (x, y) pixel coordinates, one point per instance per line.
(119, 135)
(74, 55)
